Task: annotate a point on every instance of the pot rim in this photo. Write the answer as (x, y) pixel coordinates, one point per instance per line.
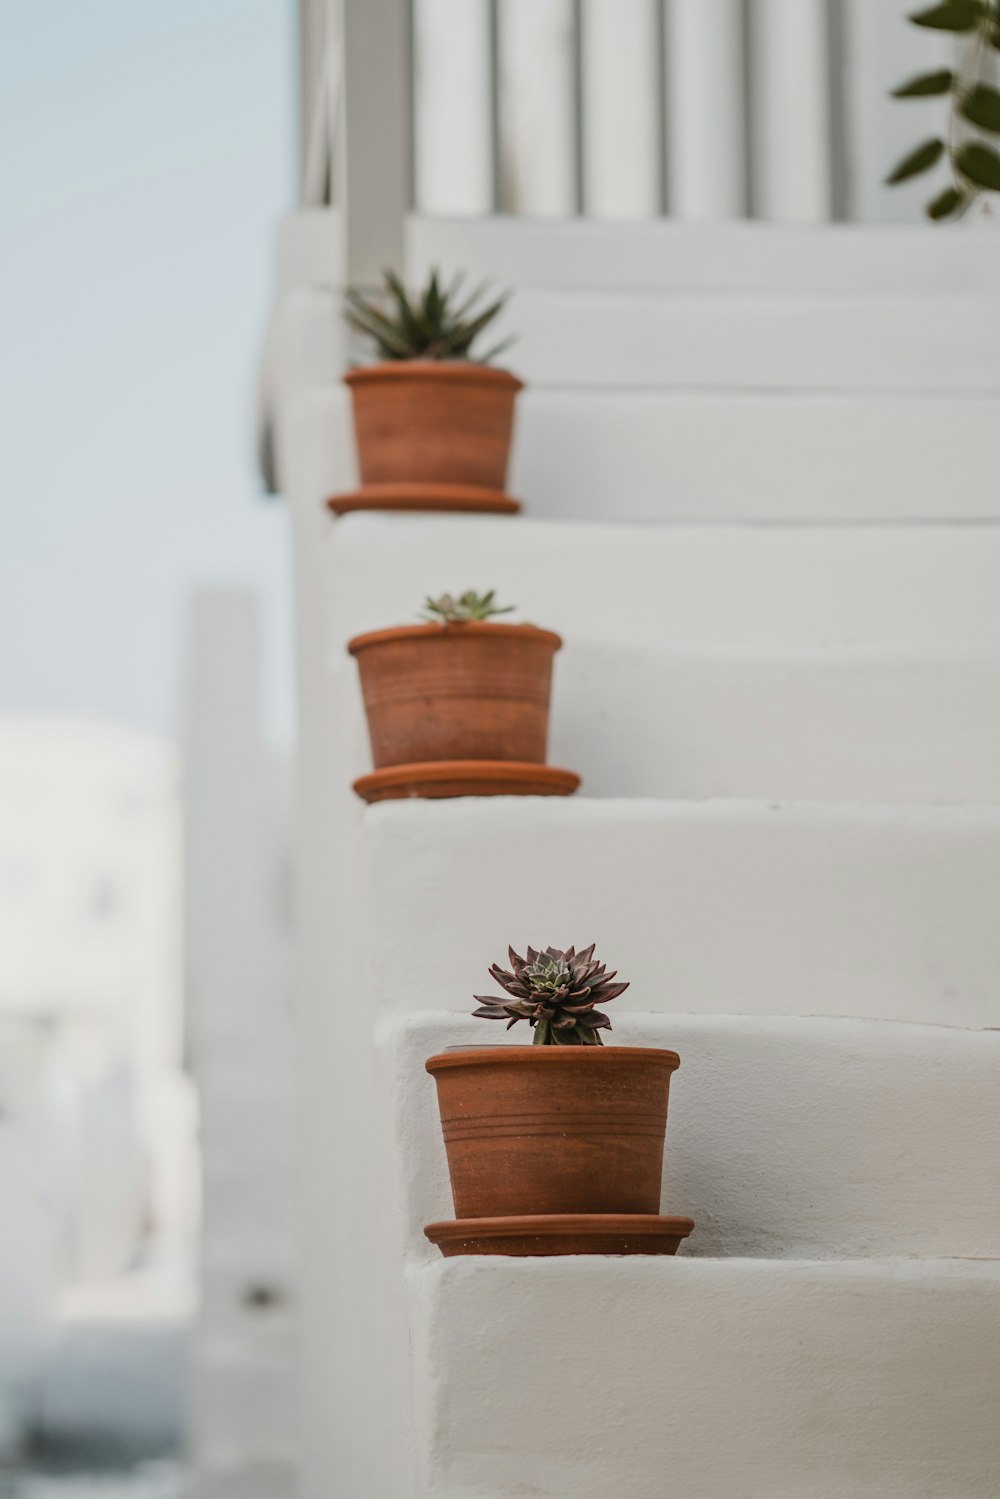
(546, 1224)
(432, 369)
(489, 1055)
(431, 630)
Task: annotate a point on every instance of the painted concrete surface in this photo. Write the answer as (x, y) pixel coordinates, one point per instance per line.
(844, 1176)
(872, 1379)
(877, 727)
(910, 589)
(787, 1138)
(641, 721)
(732, 907)
(763, 663)
(799, 666)
(649, 451)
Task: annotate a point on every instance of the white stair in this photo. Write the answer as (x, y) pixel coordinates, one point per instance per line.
(729, 907)
(784, 705)
(788, 1138)
(810, 593)
(810, 715)
(806, 664)
(790, 1380)
(841, 1174)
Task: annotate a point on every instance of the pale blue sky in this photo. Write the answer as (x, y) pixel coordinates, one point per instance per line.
(146, 149)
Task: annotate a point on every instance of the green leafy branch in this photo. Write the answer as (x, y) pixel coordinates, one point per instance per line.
(973, 159)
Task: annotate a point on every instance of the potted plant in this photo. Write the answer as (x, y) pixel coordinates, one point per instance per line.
(459, 705)
(432, 421)
(559, 1143)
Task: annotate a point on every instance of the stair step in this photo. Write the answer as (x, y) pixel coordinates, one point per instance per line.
(642, 721)
(636, 1377)
(782, 588)
(728, 907)
(725, 661)
(787, 1138)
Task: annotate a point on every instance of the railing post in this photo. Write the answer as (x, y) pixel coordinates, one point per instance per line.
(536, 116)
(622, 166)
(453, 107)
(706, 109)
(790, 97)
(374, 146)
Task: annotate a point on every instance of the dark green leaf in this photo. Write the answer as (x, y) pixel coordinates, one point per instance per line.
(430, 324)
(952, 15)
(925, 85)
(496, 351)
(980, 164)
(386, 334)
(920, 160)
(982, 107)
(947, 203)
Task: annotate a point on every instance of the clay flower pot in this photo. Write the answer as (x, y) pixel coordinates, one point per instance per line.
(538, 1130)
(472, 691)
(562, 1233)
(426, 421)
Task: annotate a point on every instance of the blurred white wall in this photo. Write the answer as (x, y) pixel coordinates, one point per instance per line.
(98, 1176)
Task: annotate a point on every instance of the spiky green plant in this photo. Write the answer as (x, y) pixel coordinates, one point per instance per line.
(441, 322)
(968, 144)
(556, 993)
(466, 608)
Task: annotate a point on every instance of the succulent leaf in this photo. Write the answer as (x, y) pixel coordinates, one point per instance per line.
(468, 607)
(438, 323)
(556, 992)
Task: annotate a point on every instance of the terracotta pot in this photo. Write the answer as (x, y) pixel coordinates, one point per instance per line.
(444, 778)
(427, 421)
(475, 691)
(412, 499)
(568, 1233)
(552, 1130)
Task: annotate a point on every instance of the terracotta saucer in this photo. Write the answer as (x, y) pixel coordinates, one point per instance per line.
(569, 1233)
(439, 778)
(453, 499)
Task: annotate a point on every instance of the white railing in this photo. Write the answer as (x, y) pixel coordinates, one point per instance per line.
(695, 109)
